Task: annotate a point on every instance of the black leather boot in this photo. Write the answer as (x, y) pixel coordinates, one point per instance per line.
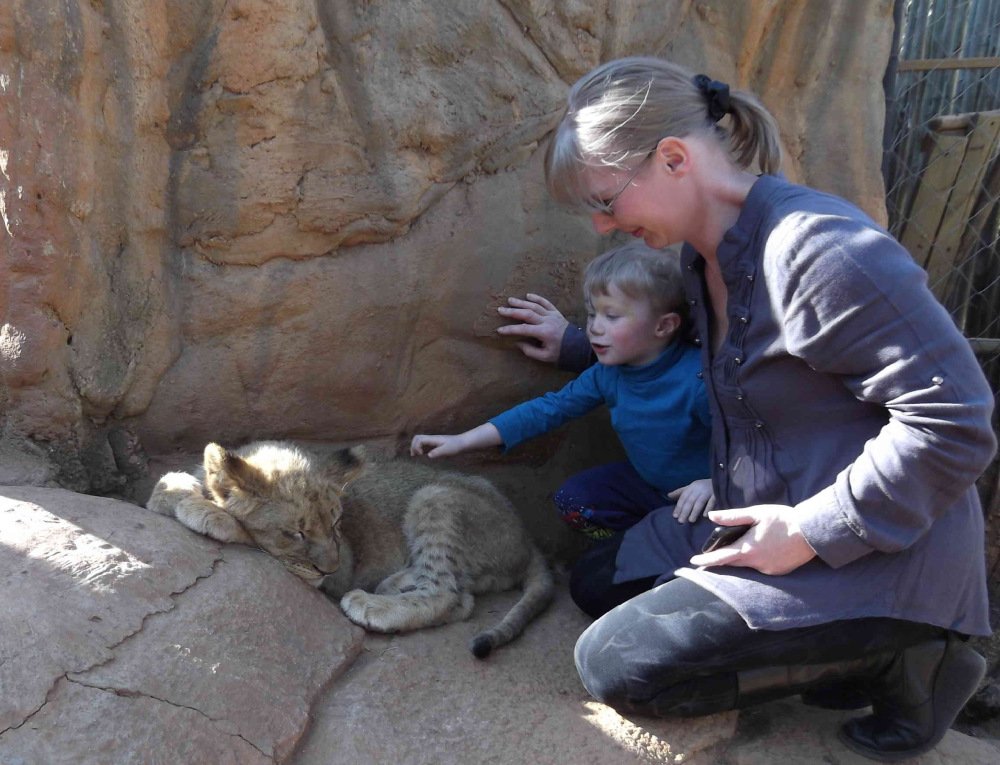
(916, 699)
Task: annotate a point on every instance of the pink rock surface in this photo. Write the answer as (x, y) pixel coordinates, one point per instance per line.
(421, 699)
(124, 637)
(85, 725)
(79, 575)
(250, 647)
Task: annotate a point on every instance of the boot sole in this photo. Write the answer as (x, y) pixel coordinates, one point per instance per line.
(955, 663)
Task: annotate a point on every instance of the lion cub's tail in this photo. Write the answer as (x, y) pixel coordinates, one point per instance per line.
(538, 588)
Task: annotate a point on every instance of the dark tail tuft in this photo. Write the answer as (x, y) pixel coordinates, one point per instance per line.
(538, 588)
(481, 646)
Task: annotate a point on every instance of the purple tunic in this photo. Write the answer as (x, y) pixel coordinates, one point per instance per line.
(842, 388)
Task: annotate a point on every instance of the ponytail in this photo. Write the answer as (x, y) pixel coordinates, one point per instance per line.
(753, 133)
(622, 109)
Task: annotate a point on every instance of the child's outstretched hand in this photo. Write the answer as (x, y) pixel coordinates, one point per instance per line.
(436, 446)
(541, 323)
(692, 500)
(447, 446)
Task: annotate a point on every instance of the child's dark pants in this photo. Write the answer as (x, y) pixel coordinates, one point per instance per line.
(606, 499)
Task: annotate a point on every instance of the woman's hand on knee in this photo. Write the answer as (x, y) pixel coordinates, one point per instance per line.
(774, 545)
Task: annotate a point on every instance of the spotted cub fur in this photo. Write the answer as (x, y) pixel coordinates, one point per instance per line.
(401, 544)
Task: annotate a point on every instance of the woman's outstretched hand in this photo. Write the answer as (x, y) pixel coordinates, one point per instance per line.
(774, 545)
(693, 500)
(541, 322)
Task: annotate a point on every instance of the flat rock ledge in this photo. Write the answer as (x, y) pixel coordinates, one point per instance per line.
(126, 638)
(422, 699)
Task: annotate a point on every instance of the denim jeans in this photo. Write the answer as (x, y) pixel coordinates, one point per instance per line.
(677, 650)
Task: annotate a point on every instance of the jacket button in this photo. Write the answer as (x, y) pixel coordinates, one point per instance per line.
(744, 319)
(937, 380)
(699, 375)
(692, 301)
(697, 341)
(721, 466)
(737, 361)
(758, 424)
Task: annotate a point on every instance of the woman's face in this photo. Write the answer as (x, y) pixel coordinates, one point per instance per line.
(647, 204)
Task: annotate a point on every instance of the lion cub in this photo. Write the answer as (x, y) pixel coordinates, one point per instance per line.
(403, 545)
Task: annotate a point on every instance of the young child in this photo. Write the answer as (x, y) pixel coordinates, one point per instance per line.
(650, 379)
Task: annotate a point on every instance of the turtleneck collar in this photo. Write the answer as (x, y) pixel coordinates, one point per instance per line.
(655, 368)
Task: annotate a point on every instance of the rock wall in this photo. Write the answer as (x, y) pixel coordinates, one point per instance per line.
(228, 219)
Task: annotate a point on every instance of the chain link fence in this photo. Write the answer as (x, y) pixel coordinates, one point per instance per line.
(942, 172)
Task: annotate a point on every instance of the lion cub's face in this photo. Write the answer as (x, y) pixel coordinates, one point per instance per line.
(286, 502)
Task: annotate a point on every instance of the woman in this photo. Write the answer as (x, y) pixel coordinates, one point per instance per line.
(851, 421)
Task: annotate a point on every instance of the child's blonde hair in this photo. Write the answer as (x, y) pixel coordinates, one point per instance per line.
(621, 110)
(641, 273)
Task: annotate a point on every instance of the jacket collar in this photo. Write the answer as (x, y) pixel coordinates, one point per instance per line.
(735, 241)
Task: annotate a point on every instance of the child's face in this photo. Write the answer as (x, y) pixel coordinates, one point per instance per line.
(626, 330)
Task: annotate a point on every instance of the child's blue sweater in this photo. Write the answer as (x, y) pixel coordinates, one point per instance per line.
(659, 410)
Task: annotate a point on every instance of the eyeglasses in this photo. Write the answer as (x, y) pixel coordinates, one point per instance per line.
(607, 208)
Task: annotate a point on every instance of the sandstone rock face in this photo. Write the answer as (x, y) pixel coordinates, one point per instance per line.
(119, 628)
(284, 218)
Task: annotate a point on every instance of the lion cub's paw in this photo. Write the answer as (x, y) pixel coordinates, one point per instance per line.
(369, 611)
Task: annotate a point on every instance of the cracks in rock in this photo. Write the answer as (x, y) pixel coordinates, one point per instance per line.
(142, 623)
(36, 711)
(132, 694)
(198, 249)
(301, 78)
(51, 311)
(263, 140)
(531, 37)
(173, 597)
(127, 693)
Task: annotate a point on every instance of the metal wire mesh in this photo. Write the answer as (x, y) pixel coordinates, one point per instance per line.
(942, 166)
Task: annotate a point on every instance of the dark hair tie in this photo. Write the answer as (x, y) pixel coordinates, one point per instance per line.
(717, 95)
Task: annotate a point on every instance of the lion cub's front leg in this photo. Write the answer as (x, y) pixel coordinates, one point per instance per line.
(179, 495)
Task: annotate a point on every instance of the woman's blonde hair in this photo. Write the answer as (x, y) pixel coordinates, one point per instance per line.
(640, 272)
(622, 109)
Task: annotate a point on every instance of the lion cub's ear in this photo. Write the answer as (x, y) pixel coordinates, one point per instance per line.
(224, 472)
(346, 465)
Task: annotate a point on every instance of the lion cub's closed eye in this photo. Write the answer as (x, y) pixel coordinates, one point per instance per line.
(402, 544)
